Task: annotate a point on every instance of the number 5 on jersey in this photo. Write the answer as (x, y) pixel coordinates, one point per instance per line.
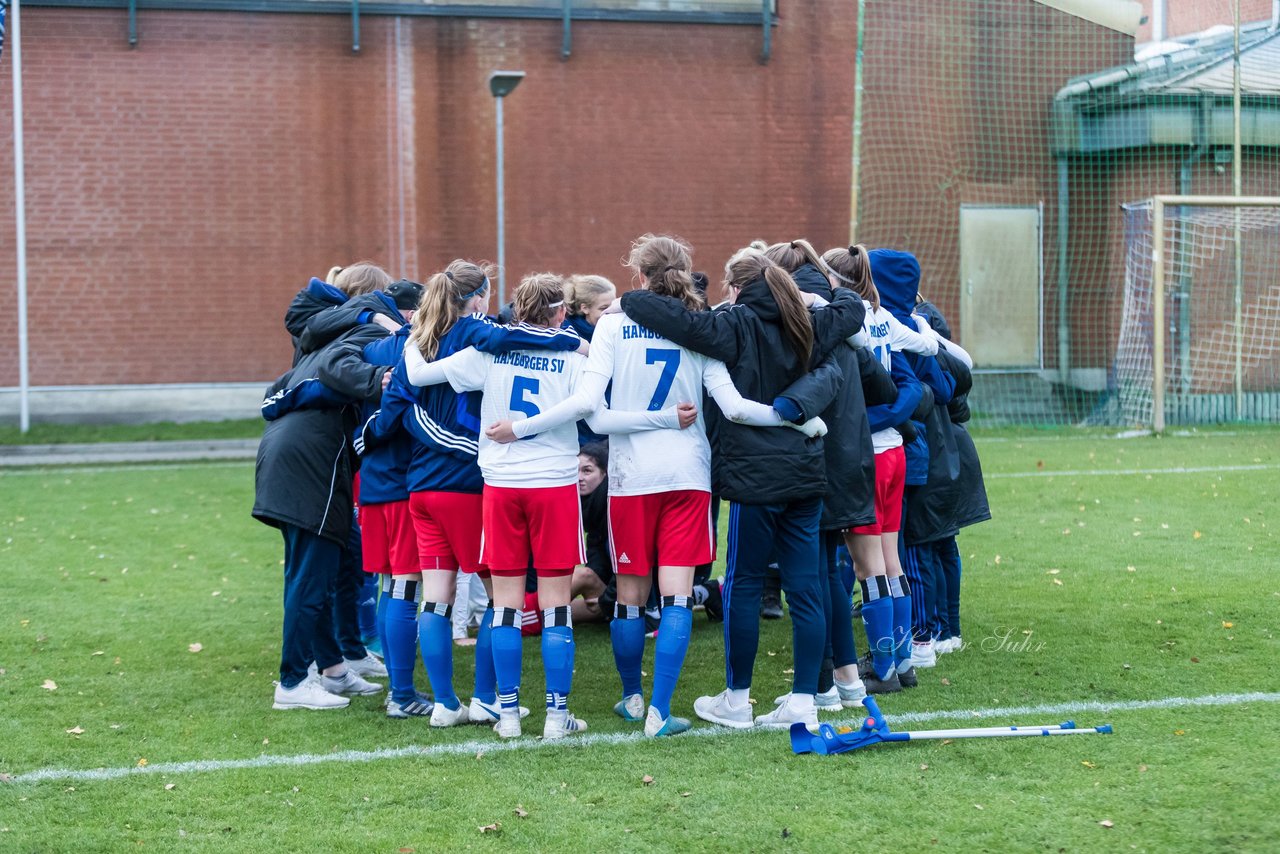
(521, 389)
(670, 360)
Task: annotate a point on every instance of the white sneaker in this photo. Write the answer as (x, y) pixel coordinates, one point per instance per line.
(951, 644)
(717, 710)
(508, 725)
(923, 655)
(786, 714)
(483, 713)
(350, 683)
(851, 695)
(307, 694)
(367, 666)
(443, 716)
(562, 723)
(828, 701)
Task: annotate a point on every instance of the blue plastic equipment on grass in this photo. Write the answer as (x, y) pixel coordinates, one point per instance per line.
(875, 730)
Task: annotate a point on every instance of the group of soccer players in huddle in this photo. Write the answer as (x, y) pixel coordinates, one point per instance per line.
(807, 400)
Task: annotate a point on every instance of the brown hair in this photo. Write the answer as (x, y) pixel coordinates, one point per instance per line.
(667, 266)
(537, 298)
(362, 277)
(581, 291)
(750, 265)
(852, 266)
(794, 255)
(444, 298)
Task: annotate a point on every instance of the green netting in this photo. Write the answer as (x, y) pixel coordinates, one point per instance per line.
(1001, 141)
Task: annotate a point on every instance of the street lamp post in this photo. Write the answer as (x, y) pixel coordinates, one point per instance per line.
(502, 84)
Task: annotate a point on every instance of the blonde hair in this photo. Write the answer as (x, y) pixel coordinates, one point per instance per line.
(751, 265)
(444, 299)
(537, 298)
(667, 266)
(852, 266)
(362, 277)
(794, 255)
(581, 291)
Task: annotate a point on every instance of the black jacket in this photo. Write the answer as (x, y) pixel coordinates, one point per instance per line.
(850, 457)
(755, 465)
(305, 463)
(972, 506)
(317, 316)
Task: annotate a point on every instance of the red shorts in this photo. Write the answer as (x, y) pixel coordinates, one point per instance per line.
(387, 543)
(660, 529)
(542, 524)
(891, 474)
(447, 525)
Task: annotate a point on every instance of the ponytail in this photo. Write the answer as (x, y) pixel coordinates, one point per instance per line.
(852, 266)
(666, 265)
(444, 299)
(751, 265)
(794, 255)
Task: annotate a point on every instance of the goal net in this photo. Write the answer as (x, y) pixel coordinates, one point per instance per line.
(1199, 337)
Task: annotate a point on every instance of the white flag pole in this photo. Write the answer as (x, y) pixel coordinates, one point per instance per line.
(20, 202)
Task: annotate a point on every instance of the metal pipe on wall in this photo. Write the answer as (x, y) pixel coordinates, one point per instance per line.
(1064, 270)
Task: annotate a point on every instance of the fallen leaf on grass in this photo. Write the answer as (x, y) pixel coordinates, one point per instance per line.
(1195, 535)
(685, 794)
(1227, 625)
(997, 560)
(924, 767)
(96, 652)
(142, 763)
(496, 827)
(479, 754)
(1086, 763)
(946, 741)
(647, 780)
(1057, 581)
(75, 730)
(195, 647)
(406, 850)
(1142, 768)
(168, 787)
(1053, 572)
(49, 685)
(1195, 660)
(975, 806)
(1179, 732)
(520, 811)
(945, 681)
(5, 778)
(1106, 822)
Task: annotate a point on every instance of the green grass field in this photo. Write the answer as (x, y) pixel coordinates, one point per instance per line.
(1120, 583)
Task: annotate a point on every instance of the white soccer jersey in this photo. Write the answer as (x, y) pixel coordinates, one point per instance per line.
(517, 385)
(650, 373)
(888, 336)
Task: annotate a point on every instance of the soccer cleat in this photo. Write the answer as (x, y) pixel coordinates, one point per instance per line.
(350, 683)
(851, 695)
(560, 724)
(923, 656)
(307, 694)
(951, 644)
(771, 605)
(907, 678)
(714, 606)
(418, 707)
(655, 726)
(367, 666)
(888, 685)
(508, 725)
(717, 710)
(481, 712)
(786, 715)
(630, 708)
(443, 716)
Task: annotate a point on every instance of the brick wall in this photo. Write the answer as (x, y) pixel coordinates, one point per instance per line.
(178, 194)
(1193, 16)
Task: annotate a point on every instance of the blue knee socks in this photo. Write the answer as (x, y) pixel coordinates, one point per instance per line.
(627, 633)
(486, 687)
(557, 655)
(435, 636)
(877, 613)
(900, 595)
(669, 652)
(401, 645)
(506, 642)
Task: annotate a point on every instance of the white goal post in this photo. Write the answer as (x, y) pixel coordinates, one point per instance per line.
(1159, 328)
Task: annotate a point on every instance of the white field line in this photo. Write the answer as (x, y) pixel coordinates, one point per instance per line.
(492, 745)
(1129, 472)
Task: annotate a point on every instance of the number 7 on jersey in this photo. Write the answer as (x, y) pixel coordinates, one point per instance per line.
(670, 360)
